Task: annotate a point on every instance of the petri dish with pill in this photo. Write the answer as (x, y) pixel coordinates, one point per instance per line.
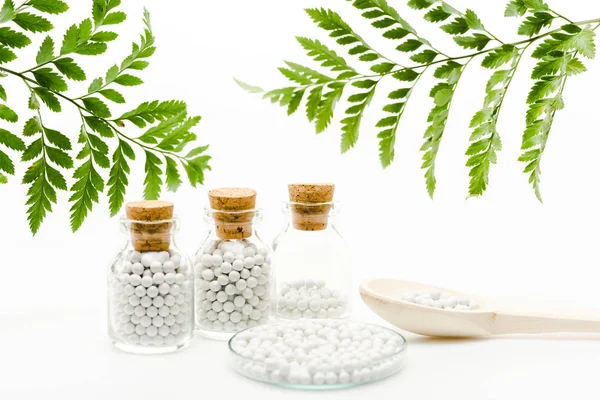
(312, 259)
(233, 274)
(317, 354)
(150, 284)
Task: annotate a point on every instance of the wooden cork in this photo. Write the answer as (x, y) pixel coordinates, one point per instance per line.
(233, 223)
(147, 236)
(307, 217)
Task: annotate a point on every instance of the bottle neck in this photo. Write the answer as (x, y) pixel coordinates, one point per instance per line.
(150, 236)
(233, 225)
(311, 217)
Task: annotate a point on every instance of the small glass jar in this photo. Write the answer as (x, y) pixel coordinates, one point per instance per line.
(150, 284)
(314, 273)
(232, 267)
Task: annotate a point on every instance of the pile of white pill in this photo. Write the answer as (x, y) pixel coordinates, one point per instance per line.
(442, 300)
(233, 285)
(151, 300)
(317, 353)
(310, 299)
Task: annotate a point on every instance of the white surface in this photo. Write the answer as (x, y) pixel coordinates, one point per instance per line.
(53, 341)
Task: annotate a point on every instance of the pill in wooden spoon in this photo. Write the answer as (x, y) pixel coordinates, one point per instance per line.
(391, 299)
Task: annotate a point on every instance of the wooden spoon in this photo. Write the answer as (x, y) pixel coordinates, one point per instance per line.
(384, 297)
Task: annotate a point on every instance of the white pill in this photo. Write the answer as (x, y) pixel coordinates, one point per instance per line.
(140, 330)
(239, 301)
(237, 265)
(158, 301)
(217, 259)
(221, 296)
(228, 307)
(247, 309)
(217, 306)
(152, 311)
(214, 286)
(166, 310)
(241, 284)
(140, 291)
(226, 267)
(228, 256)
(234, 276)
(156, 266)
(146, 301)
(223, 280)
(206, 260)
(230, 289)
(129, 290)
(249, 262)
(169, 300)
(151, 331)
(208, 275)
(137, 268)
(235, 317)
(223, 316)
(136, 256)
(256, 271)
(147, 259)
(164, 331)
(212, 315)
(247, 293)
(245, 273)
(139, 311)
(135, 280)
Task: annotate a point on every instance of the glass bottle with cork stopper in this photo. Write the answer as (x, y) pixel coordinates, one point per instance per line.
(150, 284)
(232, 267)
(312, 259)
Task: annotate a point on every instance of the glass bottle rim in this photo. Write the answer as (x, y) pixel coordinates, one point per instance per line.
(125, 220)
(209, 211)
(334, 206)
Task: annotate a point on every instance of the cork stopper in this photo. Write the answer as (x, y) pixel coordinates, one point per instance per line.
(233, 223)
(145, 235)
(307, 216)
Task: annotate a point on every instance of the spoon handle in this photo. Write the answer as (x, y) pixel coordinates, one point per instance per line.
(507, 323)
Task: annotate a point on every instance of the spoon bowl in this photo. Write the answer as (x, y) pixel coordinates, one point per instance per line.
(384, 297)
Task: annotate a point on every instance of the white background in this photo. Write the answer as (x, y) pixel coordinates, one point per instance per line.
(53, 340)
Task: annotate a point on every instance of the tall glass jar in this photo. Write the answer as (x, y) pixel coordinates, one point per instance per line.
(150, 284)
(314, 273)
(232, 267)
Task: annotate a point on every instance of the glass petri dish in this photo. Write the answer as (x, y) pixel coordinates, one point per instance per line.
(335, 354)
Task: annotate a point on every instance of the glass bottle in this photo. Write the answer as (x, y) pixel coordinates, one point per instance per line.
(312, 259)
(150, 284)
(232, 267)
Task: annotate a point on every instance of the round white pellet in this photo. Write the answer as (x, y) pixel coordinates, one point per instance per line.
(147, 259)
(245, 273)
(158, 321)
(140, 291)
(206, 260)
(228, 256)
(247, 309)
(228, 307)
(212, 315)
(137, 268)
(145, 321)
(136, 256)
(147, 281)
(164, 331)
(230, 289)
(234, 276)
(266, 268)
(241, 284)
(221, 296)
(158, 301)
(156, 266)
(135, 280)
(140, 330)
(223, 280)
(214, 286)
(247, 293)
(256, 271)
(217, 306)
(168, 267)
(249, 262)
(217, 259)
(237, 265)
(208, 274)
(146, 301)
(169, 300)
(164, 288)
(166, 310)
(152, 311)
(151, 331)
(239, 301)
(175, 289)
(139, 311)
(226, 268)
(223, 316)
